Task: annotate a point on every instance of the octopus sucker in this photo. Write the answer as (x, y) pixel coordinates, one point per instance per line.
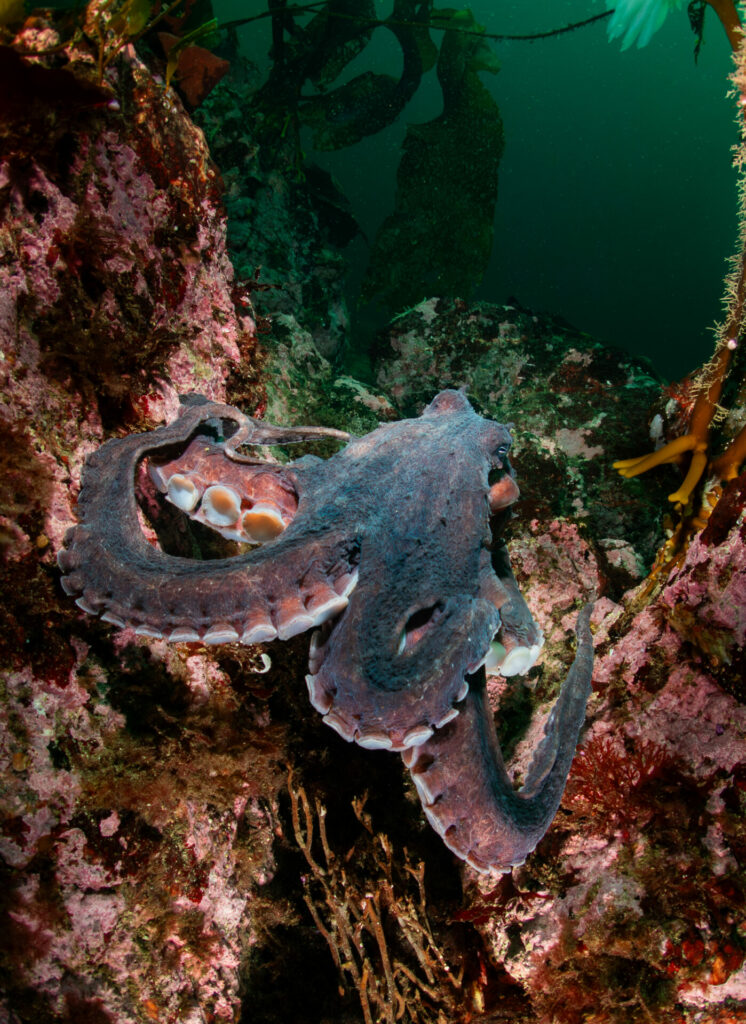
(519, 660)
(258, 633)
(392, 547)
(295, 625)
(341, 724)
(261, 523)
(115, 620)
(318, 696)
(344, 585)
(72, 585)
(220, 633)
(221, 506)
(417, 736)
(183, 635)
(374, 741)
(183, 492)
(447, 717)
(148, 631)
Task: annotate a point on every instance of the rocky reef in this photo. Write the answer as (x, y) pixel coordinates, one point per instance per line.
(182, 839)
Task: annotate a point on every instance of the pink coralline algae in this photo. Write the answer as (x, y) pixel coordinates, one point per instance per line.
(121, 269)
(706, 601)
(126, 889)
(646, 867)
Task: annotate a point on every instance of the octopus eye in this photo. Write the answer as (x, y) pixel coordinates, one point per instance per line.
(502, 451)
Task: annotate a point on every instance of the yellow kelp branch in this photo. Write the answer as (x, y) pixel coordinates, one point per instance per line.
(375, 923)
(701, 488)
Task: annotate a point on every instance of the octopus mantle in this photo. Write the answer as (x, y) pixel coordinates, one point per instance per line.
(391, 549)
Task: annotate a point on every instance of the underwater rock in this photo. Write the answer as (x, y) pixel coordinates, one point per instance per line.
(706, 600)
(129, 844)
(291, 360)
(290, 223)
(120, 243)
(637, 905)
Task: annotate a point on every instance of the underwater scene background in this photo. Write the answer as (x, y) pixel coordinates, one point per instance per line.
(616, 193)
(195, 210)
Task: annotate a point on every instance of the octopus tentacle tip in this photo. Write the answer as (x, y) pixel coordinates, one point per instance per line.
(265, 663)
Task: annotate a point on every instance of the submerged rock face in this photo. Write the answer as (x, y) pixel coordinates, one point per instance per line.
(637, 898)
(119, 252)
(125, 887)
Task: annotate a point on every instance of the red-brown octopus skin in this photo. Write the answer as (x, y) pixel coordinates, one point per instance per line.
(389, 544)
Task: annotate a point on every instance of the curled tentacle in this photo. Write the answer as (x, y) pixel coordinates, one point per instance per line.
(465, 791)
(113, 570)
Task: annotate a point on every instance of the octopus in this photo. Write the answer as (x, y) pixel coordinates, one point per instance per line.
(391, 550)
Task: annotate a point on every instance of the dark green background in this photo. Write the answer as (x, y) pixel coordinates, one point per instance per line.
(617, 202)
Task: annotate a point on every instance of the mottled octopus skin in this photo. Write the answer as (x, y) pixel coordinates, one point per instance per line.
(389, 544)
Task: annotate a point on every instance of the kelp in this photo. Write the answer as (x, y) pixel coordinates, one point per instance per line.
(438, 239)
(370, 102)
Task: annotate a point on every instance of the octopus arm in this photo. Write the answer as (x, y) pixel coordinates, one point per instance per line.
(274, 591)
(465, 790)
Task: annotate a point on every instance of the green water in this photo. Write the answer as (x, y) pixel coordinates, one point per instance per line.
(616, 205)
